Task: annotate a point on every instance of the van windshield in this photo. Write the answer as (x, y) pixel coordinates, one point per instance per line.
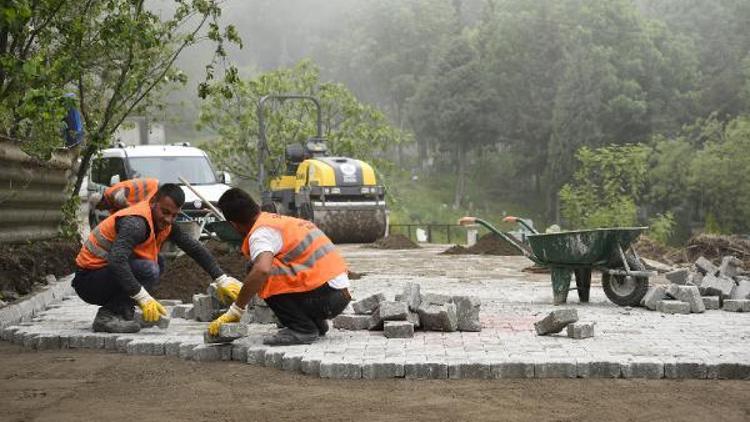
(197, 170)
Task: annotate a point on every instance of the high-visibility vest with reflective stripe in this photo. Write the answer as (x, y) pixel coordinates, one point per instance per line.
(307, 259)
(93, 254)
(129, 192)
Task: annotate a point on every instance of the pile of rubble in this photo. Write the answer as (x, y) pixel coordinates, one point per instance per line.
(702, 287)
(412, 310)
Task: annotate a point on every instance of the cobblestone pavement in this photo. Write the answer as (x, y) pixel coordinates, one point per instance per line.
(631, 343)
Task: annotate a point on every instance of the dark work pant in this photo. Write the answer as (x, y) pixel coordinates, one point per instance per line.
(99, 287)
(305, 312)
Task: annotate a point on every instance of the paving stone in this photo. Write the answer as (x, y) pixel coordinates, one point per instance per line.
(368, 304)
(121, 344)
(513, 369)
(398, 329)
(145, 347)
(292, 361)
(728, 371)
(427, 370)
(412, 296)
(556, 321)
(730, 266)
(170, 302)
(653, 296)
(695, 279)
(393, 311)
(162, 322)
(438, 317)
(274, 358)
(467, 370)
(679, 276)
(706, 267)
(186, 350)
(588, 368)
(310, 365)
(736, 305)
(643, 368)
(349, 370)
(375, 321)
(172, 347)
(373, 370)
(742, 291)
(239, 352)
(467, 312)
(556, 368)
(256, 355)
(685, 369)
(203, 308)
(184, 311)
(352, 322)
(212, 352)
(47, 342)
(435, 299)
(227, 333)
(711, 302)
(580, 330)
(413, 317)
(688, 294)
(673, 307)
(717, 286)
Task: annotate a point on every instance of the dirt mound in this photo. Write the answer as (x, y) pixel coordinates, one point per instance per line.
(648, 248)
(489, 244)
(183, 277)
(715, 247)
(394, 241)
(23, 265)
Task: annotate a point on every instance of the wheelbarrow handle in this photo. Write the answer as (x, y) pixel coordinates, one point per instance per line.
(512, 219)
(202, 198)
(465, 221)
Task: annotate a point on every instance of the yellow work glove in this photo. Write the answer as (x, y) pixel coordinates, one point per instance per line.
(234, 314)
(227, 288)
(152, 310)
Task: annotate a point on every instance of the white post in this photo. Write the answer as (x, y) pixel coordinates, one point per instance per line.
(472, 232)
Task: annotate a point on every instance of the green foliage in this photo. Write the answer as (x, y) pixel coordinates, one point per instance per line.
(350, 127)
(69, 228)
(606, 187)
(661, 228)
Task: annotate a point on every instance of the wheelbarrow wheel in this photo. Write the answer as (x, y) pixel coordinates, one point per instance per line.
(623, 290)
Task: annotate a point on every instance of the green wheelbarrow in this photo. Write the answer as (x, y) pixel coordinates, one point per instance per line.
(579, 252)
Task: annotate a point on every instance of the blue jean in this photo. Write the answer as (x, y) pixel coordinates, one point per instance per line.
(99, 287)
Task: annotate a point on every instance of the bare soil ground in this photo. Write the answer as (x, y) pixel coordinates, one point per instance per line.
(26, 264)
(489, 244)
(74, 385)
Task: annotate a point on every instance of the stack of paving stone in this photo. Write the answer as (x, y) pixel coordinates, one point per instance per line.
(207, 307)
(704, 286)
(411, 310)
(560, 319)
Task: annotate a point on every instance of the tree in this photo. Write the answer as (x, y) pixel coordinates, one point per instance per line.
(350, 127)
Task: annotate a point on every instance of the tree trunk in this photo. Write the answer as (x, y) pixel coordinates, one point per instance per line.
(84, 167)
(460, 176)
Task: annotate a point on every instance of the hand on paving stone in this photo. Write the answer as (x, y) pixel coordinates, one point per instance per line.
(152, 310)
(227, 288)
(234, 314)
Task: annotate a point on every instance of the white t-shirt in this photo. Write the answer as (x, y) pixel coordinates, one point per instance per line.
(267, 239)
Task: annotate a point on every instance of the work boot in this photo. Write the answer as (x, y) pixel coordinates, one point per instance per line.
(107, 321)
(323, 326)
(288, 337)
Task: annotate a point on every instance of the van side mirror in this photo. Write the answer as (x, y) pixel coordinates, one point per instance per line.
(225, 177)
(115, 179)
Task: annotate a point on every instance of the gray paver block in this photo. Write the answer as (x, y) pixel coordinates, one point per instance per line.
(717, 286)
(368, 304)
(435, 299)
(256, 355)
(513, 369)
(438, 317)
(172, 347)
(145, 347)
(352, 322)
(643, 368)
(47, 342)
(728, 370)
(695, 279)
(203, 308)
(689, 294)
(679, 276)
(673, 307)
(274, 358)
(428, 370)
(310, 365)
(654, 295)
(372, 370)
(170, 302)
(685, 369)
(554, 368)
(467, 312)
(292, 361)
(556, 321)
(742, 291)
(212, 352)
(586, 368)
(121, 344)
(464, 370)
(411, 295)
(705, 266)
(730, 266)
(393, 311)
(349, 370)
(398, 329)
(227, 333)
(184, 311)
(186, 350)
(239, 352)
(162, 322)
(737, 305)
(711, 302)
(580, 330)
(414, 319)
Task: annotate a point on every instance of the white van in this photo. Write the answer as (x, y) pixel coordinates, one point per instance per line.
(163, 162)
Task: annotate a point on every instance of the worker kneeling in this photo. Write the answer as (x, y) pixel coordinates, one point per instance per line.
(296, 269)
(119, 263)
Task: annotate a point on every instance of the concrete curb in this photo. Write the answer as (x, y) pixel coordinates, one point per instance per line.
(28, 307)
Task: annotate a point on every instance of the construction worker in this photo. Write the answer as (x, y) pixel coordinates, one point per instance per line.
(124, 194)
(119, 263)
(296, 269)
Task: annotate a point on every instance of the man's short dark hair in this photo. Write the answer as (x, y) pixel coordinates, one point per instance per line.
(238, 206)
(173, 191)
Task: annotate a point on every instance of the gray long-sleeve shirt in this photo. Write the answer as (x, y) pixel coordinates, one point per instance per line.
(133, 230)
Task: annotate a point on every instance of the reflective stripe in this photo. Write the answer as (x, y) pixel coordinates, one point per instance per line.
(96, 250)
(302, 246)
(100, 239)
(137, 190)
(293, 269)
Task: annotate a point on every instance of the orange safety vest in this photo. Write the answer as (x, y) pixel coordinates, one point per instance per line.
(307, 259)
(129, 192)
(93, 254)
